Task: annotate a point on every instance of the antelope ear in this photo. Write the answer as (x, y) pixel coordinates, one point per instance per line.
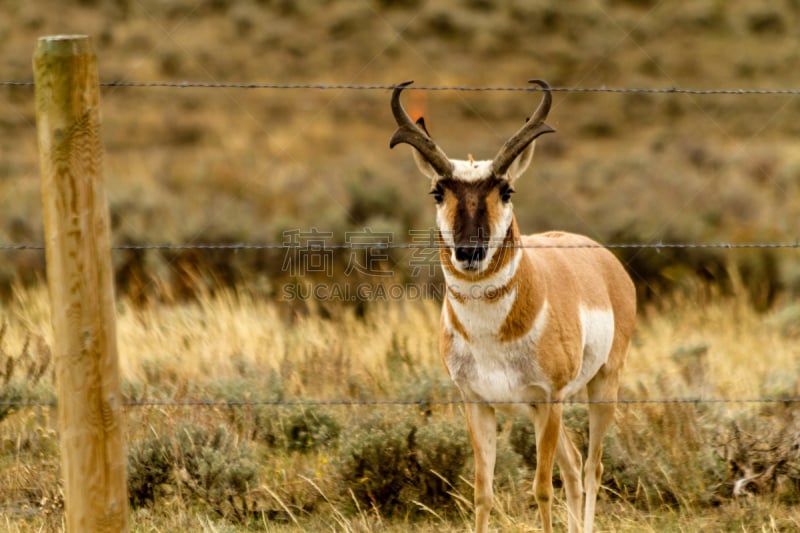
(421, 123)
(521, 163)
(422, 164)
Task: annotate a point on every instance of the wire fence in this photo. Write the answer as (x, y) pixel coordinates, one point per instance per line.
(236, 246)
(459, 88)
(382, 87)
(321, 246)
(349, 402)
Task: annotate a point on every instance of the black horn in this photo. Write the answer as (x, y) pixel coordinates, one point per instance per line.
(533, 127)
(410, 133)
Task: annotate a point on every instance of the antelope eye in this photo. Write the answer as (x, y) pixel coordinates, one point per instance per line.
(505, 193)
(438, 194)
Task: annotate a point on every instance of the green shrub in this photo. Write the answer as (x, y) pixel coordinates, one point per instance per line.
(265, 426)
(216, 469)
(301, 429)
(393, 464)
(376, 463)
(522, 439)
(442, 450)
(307, 429)
(10, 394)
(150, 466)
(212, 466)
(23, 378)
(662, 456)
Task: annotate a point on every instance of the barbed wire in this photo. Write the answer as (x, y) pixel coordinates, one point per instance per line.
(308, 402)
(383, 87)
(319, 246)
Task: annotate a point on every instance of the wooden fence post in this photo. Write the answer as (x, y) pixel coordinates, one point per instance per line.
(79, 275)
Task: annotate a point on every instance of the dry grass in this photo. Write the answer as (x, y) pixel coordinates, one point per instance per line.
(236, 336)
(226, 165)
(667, 463)
(720, 349)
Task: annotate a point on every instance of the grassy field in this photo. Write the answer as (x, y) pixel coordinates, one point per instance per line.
(231, 165)
(669, 466)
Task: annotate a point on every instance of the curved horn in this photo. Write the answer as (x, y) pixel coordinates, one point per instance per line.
(533, 127)
(410, 133)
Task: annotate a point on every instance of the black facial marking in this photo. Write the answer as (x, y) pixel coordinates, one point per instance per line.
(438, 193)
(505, 192)
(471, 227)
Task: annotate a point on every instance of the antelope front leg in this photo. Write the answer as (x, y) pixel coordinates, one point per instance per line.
(483, 434)
(547, 421)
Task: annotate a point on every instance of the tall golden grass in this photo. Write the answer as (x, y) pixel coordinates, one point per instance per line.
(233, 345)
(194, 165)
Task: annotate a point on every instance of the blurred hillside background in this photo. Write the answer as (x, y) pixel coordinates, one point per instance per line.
(227, 165)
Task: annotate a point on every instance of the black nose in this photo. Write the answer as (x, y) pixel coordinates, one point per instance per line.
(470, 253)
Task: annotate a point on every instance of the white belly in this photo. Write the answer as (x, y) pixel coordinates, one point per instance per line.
(488, 369)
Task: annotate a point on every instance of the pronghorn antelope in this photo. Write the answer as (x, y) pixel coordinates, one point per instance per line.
(527, 320)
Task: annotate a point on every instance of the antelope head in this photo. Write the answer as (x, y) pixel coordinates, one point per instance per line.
(473, 198)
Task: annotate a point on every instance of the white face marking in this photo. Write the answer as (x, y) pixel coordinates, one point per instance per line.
(471, 170)
(446, 230)
(498, 236)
